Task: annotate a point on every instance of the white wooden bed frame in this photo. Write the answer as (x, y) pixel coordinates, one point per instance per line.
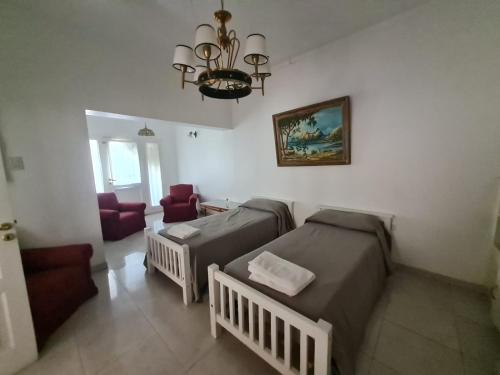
(222, 286)
(172, 259)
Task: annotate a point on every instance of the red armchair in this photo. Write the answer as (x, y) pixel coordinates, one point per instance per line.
(58, 281)
(119, 220)
(180, 205)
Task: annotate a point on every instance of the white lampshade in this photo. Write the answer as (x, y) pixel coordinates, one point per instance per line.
(199, 69)
(183, 57)
(206, 37)
(256, 46)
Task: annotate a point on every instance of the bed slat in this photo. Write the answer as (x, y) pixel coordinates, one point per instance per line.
(273, 336)
(240, 313)
(261, 327)
(222, 301)
(251, 325)
(231, 306)
(287, 345)
(303, 353)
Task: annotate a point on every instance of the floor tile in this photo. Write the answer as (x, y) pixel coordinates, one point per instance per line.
(373, 328)
(185, 329)
(229, 356)
(102, 343)
(435, 323)
(412, 354)
(363, 364)
(472, 305)
(480, 344)
(421, 290)
(378, 368)
(475, 367)
(57, 359)
(152, 357)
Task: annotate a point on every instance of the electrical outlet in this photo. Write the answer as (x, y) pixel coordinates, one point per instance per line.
(15, 163)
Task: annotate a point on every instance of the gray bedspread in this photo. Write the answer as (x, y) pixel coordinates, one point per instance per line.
(231, 234)
(279, 209)
(350, 264)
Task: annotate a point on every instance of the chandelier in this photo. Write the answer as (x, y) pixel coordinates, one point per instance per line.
(218, 49)
(146, 132)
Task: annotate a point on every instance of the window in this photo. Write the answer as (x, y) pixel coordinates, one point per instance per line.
(124, 164)
(96, 165)
(154, 173)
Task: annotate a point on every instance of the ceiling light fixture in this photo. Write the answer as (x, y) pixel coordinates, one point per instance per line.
(146, 132)
(218, 49)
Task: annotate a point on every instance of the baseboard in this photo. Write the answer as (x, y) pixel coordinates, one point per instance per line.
(450, 280)
(99, 267)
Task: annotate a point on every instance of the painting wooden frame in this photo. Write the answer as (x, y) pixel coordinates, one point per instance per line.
(328, 142)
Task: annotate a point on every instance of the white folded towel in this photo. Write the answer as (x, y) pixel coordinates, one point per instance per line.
(279, 274)
(183, 231)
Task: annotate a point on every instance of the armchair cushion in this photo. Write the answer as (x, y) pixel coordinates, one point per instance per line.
(181, 192)
(138, 207)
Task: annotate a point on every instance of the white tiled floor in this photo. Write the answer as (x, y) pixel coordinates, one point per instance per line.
(138, 325)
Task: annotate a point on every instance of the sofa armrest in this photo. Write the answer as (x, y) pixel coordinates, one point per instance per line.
(109, 215)
(35, 260)
(192, 199)
(167, 201)
(138, 207)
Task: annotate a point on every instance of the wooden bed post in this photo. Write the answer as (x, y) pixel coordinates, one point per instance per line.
(187, 290)
(215, 329)
(149, 265)
(323, 348)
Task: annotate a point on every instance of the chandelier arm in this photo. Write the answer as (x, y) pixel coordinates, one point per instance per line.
(235, 42)
(261, 87)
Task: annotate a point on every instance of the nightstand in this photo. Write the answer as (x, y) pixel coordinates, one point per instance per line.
(217, 206)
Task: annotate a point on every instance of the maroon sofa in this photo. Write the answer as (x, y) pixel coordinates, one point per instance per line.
(58, 281)
(119, 220)
(180, 205)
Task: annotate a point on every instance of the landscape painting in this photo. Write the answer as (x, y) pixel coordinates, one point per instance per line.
(318, 134)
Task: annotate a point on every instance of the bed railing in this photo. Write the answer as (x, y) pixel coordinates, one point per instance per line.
(171, 259)
(287, 340)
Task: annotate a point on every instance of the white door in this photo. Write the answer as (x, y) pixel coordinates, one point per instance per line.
(17, 338)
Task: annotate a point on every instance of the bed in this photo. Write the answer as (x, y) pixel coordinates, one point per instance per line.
(223, 238)
(295, 334)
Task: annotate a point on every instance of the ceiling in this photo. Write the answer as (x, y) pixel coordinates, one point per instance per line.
(292, 27)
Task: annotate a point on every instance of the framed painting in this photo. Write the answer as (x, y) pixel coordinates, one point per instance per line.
(319, 134)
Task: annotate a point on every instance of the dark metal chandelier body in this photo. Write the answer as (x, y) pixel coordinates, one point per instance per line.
(218, 49)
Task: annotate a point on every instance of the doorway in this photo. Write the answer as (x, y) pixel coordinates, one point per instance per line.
(130, 169)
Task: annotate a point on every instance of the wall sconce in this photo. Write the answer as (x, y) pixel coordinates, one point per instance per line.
(193, 134)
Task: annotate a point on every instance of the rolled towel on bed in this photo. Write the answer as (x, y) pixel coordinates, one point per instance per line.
(183, 231)
(279, 274)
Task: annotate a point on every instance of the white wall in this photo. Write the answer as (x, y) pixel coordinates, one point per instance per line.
(206, 161)
(425, 91)
(51, 70)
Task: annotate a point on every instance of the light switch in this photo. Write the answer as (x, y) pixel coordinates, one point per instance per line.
(15, 163)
